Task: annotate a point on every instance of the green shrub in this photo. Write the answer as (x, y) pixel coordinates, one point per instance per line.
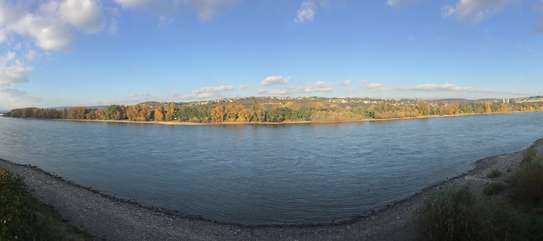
(16, 219)
(530, 155)
(533, 228)
(456, 214)
(24, 218)
(502, 222)
(494, 174)
(451, 215)
(527, 183)
(494, 188)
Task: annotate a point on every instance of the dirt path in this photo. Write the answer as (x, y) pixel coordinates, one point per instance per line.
(111, 219)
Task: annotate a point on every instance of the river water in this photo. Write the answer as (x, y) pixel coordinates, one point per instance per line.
(257, 174)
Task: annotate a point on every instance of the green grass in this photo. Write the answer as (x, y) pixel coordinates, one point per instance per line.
(22, 217)
(494, 174)
(451, 215)
(527, 183)
(456, 214)
(494, 188)
(530, 155)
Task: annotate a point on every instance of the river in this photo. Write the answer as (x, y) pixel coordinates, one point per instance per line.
(258, 174)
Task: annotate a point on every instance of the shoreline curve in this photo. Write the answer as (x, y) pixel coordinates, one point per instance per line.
(386, 223)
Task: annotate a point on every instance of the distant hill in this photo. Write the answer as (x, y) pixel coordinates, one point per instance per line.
(68, 107)
(454, 100)
(533, 99)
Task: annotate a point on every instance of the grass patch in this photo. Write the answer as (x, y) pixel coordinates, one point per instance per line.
(494, 174)
(22, 217)
(456, 214)
(450, 215)
(527, 183)
(494, 188)
(530, 155)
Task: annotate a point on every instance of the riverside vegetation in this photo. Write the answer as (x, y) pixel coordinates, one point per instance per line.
(508, 211)
(278, 110)
(22, 217)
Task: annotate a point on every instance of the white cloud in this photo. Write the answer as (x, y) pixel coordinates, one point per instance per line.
(272, 92)
(133, 3)
(273, 80)
(28, 27)
(12, 70)
(440, 87)
(10, 13)
(375, 86)
(9, 57)
(30, 55)
(3, 36)
(48, 34)
(448, 90)
(205, 9)
(394, 3)
(475, 10)
(346, 82)
(212, 92)
(47, 23)
(84, 14)
(13, 74)
(306, 12)
(399, 3)
(13, 98)
(163, 8)
(318, 87)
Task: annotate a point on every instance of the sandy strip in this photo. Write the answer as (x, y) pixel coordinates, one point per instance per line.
(112, 219)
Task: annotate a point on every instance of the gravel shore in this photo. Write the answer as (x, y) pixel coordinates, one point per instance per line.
(112, 219)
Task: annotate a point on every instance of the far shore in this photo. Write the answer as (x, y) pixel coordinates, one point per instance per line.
(180, 123)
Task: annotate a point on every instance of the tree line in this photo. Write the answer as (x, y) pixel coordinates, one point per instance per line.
(270, 109)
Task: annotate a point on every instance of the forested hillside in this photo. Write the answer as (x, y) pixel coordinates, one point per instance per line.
(273, 109)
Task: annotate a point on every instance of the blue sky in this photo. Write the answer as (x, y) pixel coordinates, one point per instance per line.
(94, 52)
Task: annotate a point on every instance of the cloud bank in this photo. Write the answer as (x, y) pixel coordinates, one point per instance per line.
(318, 87)
(205, 9)
(212, 92)
(475, 10)
(274, 80)
(306, 12)
(440, 87)
(375, 86)
(399, 3)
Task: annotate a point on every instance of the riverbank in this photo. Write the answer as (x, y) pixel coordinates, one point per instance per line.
(110, 218)
(178, 123)
(23, 217)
